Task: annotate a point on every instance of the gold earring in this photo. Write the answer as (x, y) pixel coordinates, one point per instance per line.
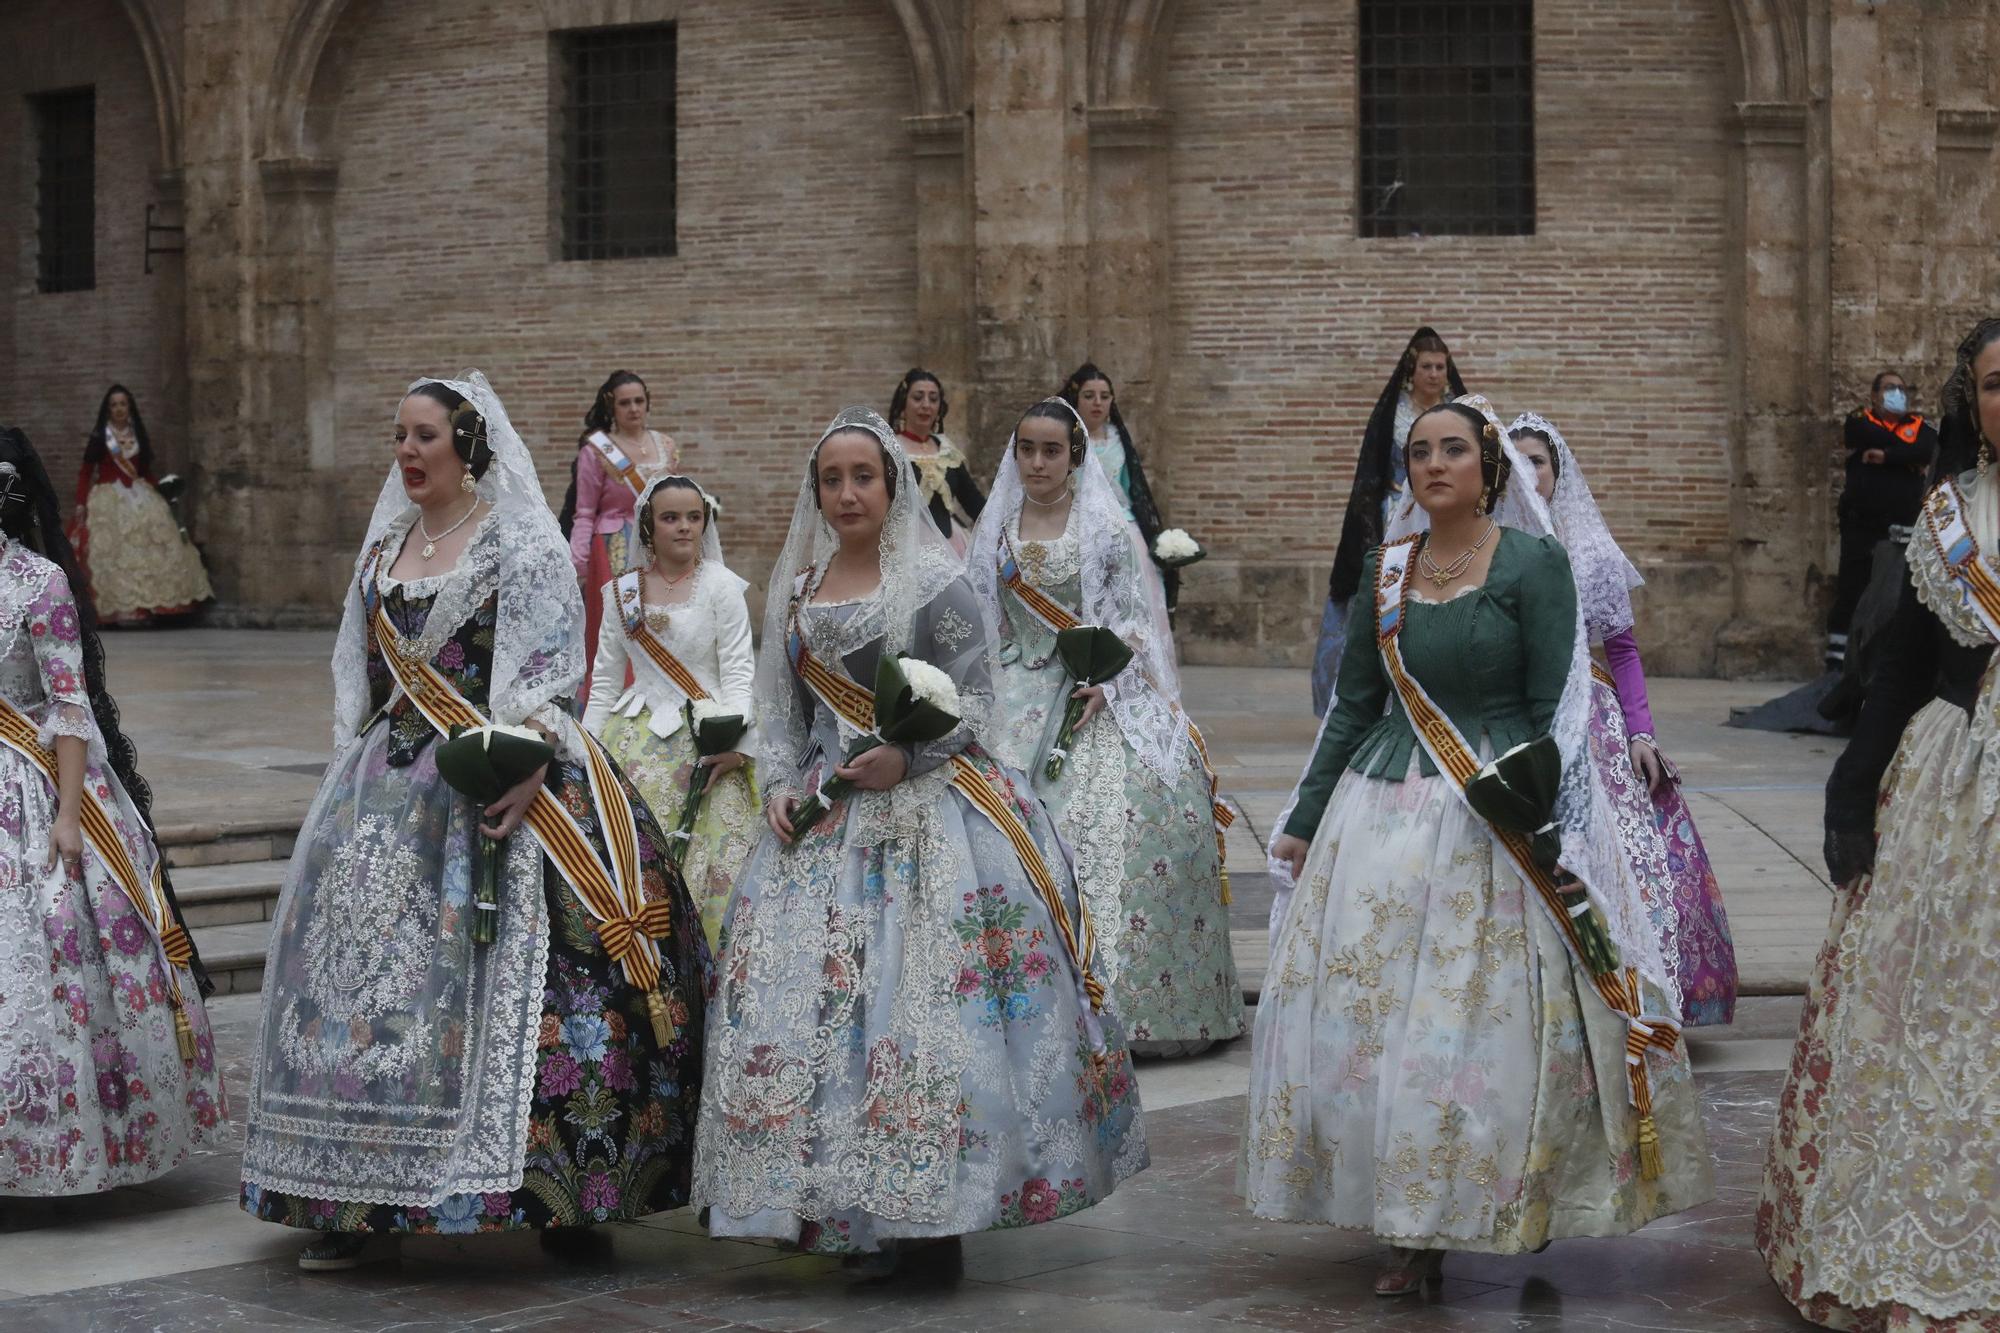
(1485, 500)
(1985, 455)
(468, 483)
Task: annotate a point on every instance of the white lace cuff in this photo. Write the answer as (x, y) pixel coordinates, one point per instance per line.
(66, 719)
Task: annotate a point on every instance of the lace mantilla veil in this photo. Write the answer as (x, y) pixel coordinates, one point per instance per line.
(1117, 593)
(917, 565)
(538, 650)
(1590, 848)
(1604, 577)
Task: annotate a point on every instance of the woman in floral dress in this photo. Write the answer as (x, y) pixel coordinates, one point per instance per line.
(1134, 798)
(1880, 1211)
(409, 1079)
(1439, 1060)
(137, 562)
(684, 612)
(904, 1045)
(1655, 826)
(107, 1064)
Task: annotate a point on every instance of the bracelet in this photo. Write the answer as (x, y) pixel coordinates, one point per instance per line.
(1647, 737)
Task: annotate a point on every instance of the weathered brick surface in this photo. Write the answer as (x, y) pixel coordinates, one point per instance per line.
(60, 350)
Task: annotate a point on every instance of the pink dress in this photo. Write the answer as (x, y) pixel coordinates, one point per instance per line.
(604, 540)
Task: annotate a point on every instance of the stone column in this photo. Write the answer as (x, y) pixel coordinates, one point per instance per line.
(1127, 260)
(944, 261)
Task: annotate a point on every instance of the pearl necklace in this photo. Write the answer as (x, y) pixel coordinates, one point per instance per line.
(431, 540)
(1440, 577)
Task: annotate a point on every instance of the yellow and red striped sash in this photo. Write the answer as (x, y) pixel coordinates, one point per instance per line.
(1457, 760)
(855, 704)
(631, 603)
(1059, 618)
(627, 924)
(618, 461)
(1944, 518)
(148, 897)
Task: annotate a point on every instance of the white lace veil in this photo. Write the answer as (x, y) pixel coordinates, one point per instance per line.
(1117, 593)
(917, 565)
(711, 531)
(538, 652)
(1604, 577)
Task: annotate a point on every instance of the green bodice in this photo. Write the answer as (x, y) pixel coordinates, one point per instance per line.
(1494, 659)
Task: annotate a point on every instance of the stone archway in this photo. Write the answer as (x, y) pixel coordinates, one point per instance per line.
(163, 71)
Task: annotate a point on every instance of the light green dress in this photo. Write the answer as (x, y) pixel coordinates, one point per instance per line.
(1147, 856)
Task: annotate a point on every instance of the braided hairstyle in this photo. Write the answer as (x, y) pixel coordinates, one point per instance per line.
(94, 449)
(913, 376)
(1960, 438)
(599, 417)
(28, 514)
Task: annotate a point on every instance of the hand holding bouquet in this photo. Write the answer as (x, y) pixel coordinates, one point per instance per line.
(714, 731)
(1516, 793)
(485, 763)
(1174, 549)
(914, 703)
(1092, 655)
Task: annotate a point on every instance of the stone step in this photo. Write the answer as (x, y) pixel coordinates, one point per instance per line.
(234, 954)
(226, 842)
(229, 893)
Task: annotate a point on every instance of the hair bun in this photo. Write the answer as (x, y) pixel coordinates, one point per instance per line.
(468, 437)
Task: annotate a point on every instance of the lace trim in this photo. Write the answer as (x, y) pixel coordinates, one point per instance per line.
(1941, 593)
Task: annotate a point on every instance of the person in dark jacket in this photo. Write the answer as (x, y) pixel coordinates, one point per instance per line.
(1889, 454)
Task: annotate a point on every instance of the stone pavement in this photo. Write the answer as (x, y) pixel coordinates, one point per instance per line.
(233, 729)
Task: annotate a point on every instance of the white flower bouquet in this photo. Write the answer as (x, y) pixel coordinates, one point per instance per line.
(915, 703)
(1173, 549)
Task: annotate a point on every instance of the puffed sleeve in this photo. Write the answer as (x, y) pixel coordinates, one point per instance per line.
(56, 632)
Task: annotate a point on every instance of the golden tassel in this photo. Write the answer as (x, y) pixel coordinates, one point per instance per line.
(1650, 1165)
(184, 1032)
(663, 1022)
(1223, 866)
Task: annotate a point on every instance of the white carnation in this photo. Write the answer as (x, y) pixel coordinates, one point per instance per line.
(707, 709)
(931, 685)
(1175, 544)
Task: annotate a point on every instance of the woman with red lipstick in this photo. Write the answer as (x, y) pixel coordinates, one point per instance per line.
(953, 498)
(1441, 1051)
(412, 1075)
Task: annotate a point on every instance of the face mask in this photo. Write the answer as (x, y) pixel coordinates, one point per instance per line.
(1894, 400)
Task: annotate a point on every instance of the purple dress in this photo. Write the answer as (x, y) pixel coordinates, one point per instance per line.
(1658, 833)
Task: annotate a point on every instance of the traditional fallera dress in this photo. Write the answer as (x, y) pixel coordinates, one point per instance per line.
(604, 532)
(138, 561)
(901, 1041)
(706, 638)
(1656, 828)
(1433, 1063)
(107, 1064)
(950, 495)
(1114, 451)
(1379, 475)
(1880, 1210)
(408, 1079)
(1135, 799)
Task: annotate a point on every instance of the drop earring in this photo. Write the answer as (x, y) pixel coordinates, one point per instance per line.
(468, 483)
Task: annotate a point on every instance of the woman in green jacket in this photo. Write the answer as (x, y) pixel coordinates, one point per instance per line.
(1438, 1059)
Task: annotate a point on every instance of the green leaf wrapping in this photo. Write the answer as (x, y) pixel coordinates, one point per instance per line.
(485, 766)
(1092, 655)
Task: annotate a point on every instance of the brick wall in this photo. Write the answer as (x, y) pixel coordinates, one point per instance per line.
(1609, 320)
(60, 350)
(790, 297)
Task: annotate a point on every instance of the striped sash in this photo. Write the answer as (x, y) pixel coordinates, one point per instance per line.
(147, 896)
(1058, 618)
(618, 461)
(855, 704)
(1945, 520)
(632, 605)
(1456, 759)
(614, 895)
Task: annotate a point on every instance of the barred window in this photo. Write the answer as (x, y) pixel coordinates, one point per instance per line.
(66, 190)
(616, 141)
(1447, 118)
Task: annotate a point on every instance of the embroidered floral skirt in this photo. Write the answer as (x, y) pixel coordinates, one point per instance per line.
(1428, 1064)
(1671, 866)
(138, 562)
(93, 1091)
(1880, 1210)
(898, 1045)
(725, 830)
(396, 1051)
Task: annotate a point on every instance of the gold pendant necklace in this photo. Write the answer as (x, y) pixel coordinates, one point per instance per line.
(1440, 577)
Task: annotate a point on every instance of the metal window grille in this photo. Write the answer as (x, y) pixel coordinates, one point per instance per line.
(66, 190)
(617, 142)
(1447, 118)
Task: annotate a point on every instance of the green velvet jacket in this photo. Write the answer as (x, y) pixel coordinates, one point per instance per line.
(1495, 660)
